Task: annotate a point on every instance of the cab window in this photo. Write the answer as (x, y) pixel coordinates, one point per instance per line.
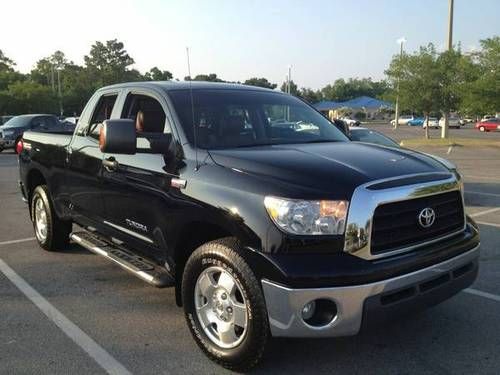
(102, 112)
(146, 112)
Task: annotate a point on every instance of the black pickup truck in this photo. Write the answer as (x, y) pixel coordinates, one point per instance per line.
(266, 219)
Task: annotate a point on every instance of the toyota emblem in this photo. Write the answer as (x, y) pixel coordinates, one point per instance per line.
(426, 217)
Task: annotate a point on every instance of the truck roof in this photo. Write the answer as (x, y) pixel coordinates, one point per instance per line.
(186, 85)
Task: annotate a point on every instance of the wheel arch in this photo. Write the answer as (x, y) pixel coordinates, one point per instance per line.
(195, 233)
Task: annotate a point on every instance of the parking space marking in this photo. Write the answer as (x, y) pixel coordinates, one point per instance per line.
(481, 193)
(485, 212)
(93, 349)
(17, 241)
(490, 224)
(476, 292)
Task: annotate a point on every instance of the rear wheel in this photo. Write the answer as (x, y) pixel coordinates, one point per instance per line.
(224, 305)
(51, 232)
(482, 129)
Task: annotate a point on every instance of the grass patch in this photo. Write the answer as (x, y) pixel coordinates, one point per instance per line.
(465, 142)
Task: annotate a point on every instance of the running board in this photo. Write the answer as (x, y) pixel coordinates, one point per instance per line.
(142, 268)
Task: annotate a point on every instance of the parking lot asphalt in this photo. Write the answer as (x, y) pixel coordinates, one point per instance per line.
(139, 328)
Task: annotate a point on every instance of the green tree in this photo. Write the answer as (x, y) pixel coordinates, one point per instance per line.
(260, 82)
(342, 90)
(8, 74)
(28, 97)
(309, 95)
(109, 63)
(212, 77)
(5, 62)
(294, 90)
(480, 94)
(155, 74)
(420, 81)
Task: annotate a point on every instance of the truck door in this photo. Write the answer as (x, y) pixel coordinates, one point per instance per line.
(84, 172)
(137, 195)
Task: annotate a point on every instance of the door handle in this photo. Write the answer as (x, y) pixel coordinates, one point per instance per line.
(110, 164)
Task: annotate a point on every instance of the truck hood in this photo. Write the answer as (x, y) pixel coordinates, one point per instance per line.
(333, 168)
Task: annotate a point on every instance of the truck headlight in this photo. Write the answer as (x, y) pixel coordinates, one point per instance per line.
(307, 217)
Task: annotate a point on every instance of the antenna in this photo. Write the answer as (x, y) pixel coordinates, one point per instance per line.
(195, 141)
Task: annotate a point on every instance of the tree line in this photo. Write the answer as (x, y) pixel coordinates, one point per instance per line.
(433, 83)
(429, 82)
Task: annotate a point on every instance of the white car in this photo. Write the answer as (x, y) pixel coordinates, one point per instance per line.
(431, 122)
(350, 122)
(453, 122)
(403, 120)
(487, 118)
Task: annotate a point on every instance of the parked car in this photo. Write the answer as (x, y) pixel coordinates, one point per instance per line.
(493, 124)
(453, 122)
(403, 120)
(487, 118)
(261, 229)
(12, 131)
(350, 122)
(418, 121)
(359, 134)
(466, 120)
(73, 120)
(431, 122)
(4, 119)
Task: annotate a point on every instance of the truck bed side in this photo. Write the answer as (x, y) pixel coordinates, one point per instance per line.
(44, 158)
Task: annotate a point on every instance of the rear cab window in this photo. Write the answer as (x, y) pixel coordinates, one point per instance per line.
(149, 117)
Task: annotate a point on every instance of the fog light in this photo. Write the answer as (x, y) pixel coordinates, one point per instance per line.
(308, 310)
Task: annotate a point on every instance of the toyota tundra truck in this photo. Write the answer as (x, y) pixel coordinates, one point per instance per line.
(265, 218)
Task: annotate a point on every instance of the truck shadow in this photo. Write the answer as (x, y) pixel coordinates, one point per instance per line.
(418, 343)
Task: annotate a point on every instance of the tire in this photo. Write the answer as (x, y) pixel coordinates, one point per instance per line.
(52, 233)
(246, 345)
(482, 129)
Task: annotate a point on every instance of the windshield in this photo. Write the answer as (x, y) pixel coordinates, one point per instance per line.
(370, 136)
(244, 118)
(17, 122)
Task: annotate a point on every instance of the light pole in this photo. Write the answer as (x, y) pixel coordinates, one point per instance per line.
(59, 93)
(444, 129)
(289, 79)
(288, 89)
(400, 41)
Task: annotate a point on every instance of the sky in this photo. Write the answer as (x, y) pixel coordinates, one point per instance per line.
(321, 40)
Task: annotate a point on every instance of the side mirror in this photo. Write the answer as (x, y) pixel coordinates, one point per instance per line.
(118, 137)
(157, 143)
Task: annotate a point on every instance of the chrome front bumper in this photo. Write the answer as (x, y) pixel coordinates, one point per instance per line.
(284, 305)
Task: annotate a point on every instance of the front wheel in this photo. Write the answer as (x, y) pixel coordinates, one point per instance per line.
(224, 305)
(482, 129)
(51, 232)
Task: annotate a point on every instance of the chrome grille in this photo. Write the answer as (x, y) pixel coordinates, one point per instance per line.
(395, 225)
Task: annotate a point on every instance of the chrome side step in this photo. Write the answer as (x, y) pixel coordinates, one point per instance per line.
(142, 268)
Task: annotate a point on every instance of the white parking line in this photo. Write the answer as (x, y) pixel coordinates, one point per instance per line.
(485, 212)
(17, 241)
(490, 224)
(476, 292)
(93, 349)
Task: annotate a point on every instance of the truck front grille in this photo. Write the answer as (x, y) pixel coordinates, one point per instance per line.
(396, 225)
